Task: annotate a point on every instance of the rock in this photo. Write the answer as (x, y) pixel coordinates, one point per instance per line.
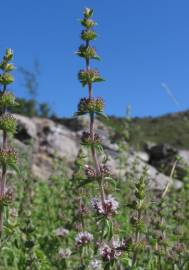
(157, 180)
(26, 129)
(42, 167)
(184, 154)
(143, 156)
(161, 151)
(164, 156)
(55, 140)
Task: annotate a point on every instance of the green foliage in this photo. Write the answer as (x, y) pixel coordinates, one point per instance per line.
(31, 108)
(172, 129)
(41, 207)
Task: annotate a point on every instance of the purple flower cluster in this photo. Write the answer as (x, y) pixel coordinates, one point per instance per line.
(91, 173)
(82, 209)
(107, 208)
(110, 251)
(87, 139)
(83, 238)
(105, 170)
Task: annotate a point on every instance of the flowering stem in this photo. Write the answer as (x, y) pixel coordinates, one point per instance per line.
(93, 150)
(4, 171)
(137, 238)
(105, 206)
(7, 125)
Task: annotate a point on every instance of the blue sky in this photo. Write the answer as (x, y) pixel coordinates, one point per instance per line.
(143, 43)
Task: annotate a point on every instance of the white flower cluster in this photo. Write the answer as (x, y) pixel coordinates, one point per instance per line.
(61, 232)
(64, 253)
(95, 264)
(108, 208)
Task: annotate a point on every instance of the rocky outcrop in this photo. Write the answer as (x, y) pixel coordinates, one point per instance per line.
(60, 139)
(164, 156)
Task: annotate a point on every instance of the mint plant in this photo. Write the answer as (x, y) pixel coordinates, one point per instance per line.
(8, 126)
(104, 205)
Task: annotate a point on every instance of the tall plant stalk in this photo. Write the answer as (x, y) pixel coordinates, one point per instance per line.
(8, 126)
(105, 206)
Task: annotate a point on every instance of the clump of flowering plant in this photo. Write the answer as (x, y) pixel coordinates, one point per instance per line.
(104, 205)
(8, 126)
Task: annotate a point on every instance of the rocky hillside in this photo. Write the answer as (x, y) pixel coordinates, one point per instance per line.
(172, 129)
(60, 139)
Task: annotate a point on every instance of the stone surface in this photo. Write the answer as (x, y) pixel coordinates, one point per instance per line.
(164, 156)
(26, 128)
(57, 140)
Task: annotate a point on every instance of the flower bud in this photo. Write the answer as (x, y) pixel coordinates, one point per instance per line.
(82, 209)
(6, 66)
(88, 76)
(89, 172)
(7, 156)
(90, 105)
(6, 78)
(88, 12)
(6, 198)
(140, 194)
(8, 123)
(87, 52)
(105, 170)
(7, 99)
(87, 140)
(88, 35)
(88, 23)
(8, 55)
(99, 105)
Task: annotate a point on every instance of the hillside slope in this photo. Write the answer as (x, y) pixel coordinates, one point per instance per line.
(171, 128)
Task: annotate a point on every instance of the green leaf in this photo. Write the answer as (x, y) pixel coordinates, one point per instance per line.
(110, 230)
(98, 80)
(15, 167)
(85, 182)
(97, 58)
(107, 266)
(100, 148)
(102, 114)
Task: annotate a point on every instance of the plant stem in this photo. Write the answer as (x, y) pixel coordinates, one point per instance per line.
(4, 172)
(93, 150)
(137, 238)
